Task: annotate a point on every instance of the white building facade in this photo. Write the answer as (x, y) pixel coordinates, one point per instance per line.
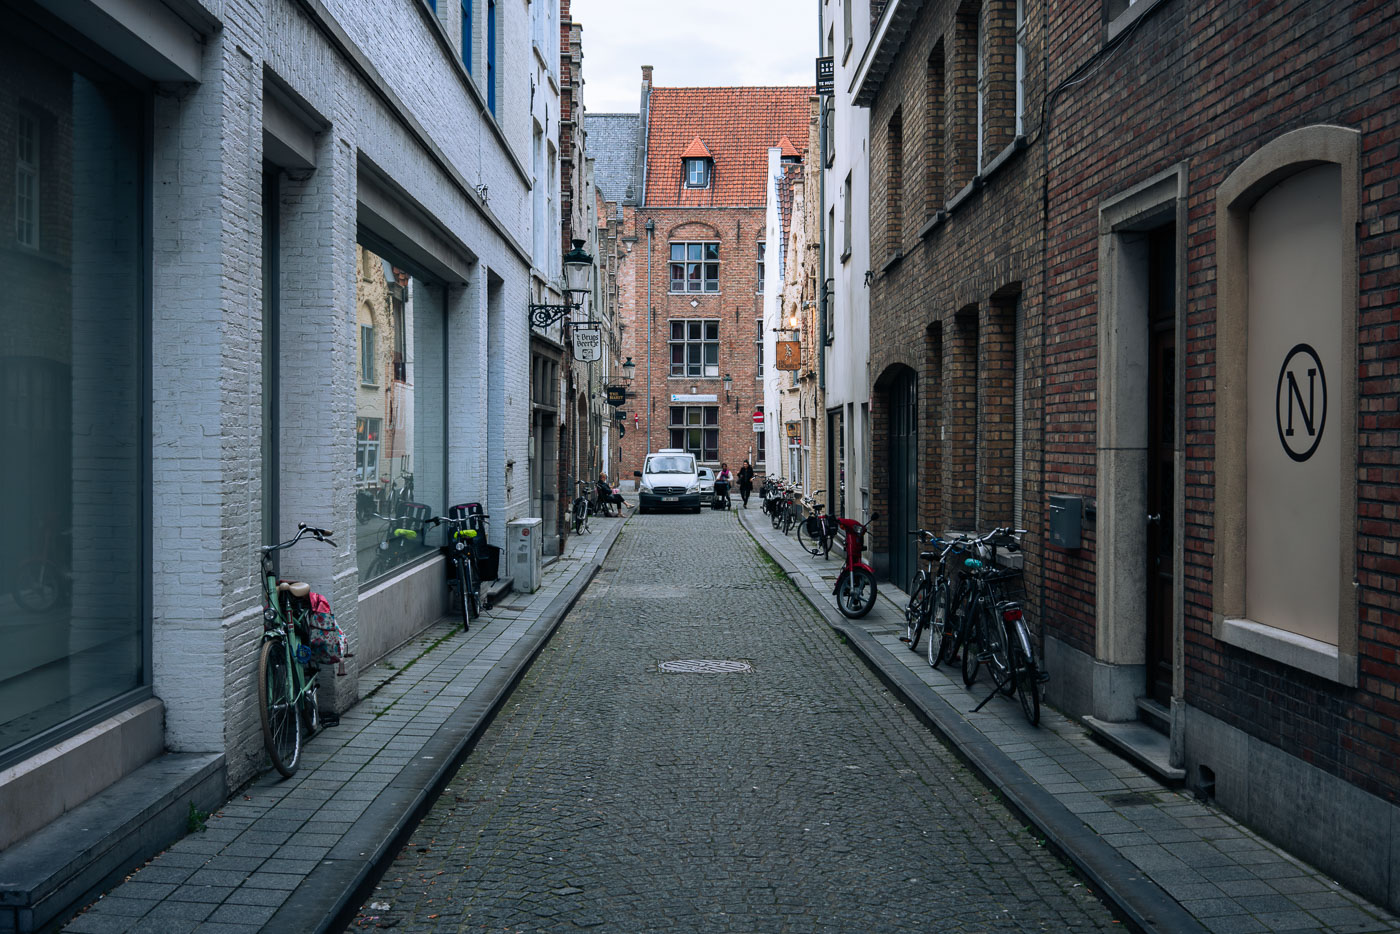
(271, 265)
(846, 215)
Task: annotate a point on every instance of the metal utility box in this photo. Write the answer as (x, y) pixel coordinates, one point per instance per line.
(524, 549)
(1066, 520)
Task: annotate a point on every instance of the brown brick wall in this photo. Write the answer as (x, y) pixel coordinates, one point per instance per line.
(1208, 84)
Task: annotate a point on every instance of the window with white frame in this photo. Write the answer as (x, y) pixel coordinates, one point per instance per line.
(695, 347)
(762, 251)
(367, 452)
(695, 266)
(1020, 67)
(695, 429)
(697, 173)
(758, 347)
(847, 31)
(27, 180)
(367, 367)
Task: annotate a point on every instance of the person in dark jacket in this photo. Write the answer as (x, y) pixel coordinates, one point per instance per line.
(745, 482)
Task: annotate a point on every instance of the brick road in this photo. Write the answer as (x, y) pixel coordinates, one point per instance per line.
(796, 796)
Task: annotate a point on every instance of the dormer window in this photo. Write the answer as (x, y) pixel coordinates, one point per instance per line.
(697, 173)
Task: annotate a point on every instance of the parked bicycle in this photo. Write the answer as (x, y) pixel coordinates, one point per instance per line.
(294, 640)
(816, 531)
(855, 586)
(917, 611)
(465, 548)
(582, 507)
(989, 626)
(45, 580)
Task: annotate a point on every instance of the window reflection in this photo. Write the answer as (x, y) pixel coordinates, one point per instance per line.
(71, 393)
(399, 415)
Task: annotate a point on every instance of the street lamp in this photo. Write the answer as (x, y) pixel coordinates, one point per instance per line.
(578, 281)
(727, 383)
(628, 369)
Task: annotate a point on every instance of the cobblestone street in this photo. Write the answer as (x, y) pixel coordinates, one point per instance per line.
(798, 795)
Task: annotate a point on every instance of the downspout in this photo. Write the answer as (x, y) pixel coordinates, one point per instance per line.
(821, 224)
(651, 228)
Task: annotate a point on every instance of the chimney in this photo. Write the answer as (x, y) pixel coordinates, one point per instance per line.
(646, 75)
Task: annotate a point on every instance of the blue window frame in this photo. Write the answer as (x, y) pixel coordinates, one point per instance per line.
(491, 56)
(467, 34)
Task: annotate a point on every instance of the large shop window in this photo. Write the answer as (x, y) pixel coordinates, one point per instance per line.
(73, 397)
(400, 401)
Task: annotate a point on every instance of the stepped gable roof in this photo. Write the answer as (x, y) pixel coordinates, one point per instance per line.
(736, 127)
(612, 145)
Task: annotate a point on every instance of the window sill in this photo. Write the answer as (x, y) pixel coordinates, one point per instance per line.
(892, 262)
(1129, 16)
(959, 199)
(932, 224)
(1015, 146)
(1286, 648)
(696, 294)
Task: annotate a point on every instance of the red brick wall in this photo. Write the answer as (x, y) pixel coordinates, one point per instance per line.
(736, 305)
(1208, 84)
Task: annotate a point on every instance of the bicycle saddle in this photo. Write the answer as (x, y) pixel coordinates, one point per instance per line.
(296, 589)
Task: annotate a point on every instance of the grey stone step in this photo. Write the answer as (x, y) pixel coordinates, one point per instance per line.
(497, 589)
(1155, 715)
(57, 870)
(1140, 743)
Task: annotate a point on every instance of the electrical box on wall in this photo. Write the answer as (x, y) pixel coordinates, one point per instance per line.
(1066, 520)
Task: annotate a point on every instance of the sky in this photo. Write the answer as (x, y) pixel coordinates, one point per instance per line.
(692, 43)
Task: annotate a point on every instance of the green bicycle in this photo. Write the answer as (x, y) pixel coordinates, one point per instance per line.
(286, 690)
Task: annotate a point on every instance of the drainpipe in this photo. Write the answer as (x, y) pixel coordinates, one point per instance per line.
(651, 229)
(821, 224)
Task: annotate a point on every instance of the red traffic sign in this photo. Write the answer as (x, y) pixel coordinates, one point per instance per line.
(758, 418)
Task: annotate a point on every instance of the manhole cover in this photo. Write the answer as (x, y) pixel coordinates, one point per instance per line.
(705, 666)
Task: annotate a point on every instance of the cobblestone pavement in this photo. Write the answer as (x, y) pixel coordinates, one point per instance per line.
(796, 796)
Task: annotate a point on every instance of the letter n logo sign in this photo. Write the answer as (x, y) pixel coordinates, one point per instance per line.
(1300, 402)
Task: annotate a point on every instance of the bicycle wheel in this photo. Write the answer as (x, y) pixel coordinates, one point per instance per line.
(940, 640)
(463, 590)
(812, 544)
(1027, 686)
(577, 511)
(916, 609)
(471, 600)
(281, 728)
(310, 708)
(36, 585)
(994, 646)
(855, 593)
(828, 535)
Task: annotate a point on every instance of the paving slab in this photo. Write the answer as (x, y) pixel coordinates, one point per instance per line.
(1168, 862)
(292, 854)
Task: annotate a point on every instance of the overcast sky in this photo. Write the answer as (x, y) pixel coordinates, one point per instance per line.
(692, 43)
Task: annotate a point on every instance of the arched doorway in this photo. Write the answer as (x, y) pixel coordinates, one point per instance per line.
(903, 474)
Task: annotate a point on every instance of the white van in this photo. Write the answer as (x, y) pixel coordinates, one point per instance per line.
(669, 479)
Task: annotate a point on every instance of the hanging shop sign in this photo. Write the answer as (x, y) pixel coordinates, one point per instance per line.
(789, 355)
(826, 74)
(617, 395)
(793, 430)
(588, 343)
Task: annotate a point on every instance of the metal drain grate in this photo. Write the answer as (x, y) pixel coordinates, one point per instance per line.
(705, 666)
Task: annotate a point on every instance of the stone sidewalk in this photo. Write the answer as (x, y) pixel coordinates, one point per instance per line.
(295, 854)
(1165, 860)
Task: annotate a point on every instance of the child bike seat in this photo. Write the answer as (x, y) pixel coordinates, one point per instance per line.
(296, 589)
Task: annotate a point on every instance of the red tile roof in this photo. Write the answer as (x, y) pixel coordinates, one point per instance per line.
(787, 147)
(696, 150)
(737, 126)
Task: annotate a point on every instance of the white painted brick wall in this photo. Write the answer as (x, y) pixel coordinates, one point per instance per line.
(207, 325)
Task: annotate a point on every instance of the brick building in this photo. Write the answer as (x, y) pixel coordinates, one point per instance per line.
(1142, 273)
(694, 230)
(1221, 363)
(955, 270)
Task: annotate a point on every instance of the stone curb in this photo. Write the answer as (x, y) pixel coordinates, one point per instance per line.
(1136, 898)
(331, 894)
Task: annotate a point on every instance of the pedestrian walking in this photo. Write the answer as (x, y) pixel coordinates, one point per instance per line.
(745, 482)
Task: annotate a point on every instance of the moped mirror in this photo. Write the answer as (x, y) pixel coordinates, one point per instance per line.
(636, 473)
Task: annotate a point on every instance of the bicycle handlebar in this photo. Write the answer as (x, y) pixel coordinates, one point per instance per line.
(321, 535)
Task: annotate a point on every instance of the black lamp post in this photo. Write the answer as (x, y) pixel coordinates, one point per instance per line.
(628, 369)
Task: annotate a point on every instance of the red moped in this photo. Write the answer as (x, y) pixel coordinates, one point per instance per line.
(855, 587)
